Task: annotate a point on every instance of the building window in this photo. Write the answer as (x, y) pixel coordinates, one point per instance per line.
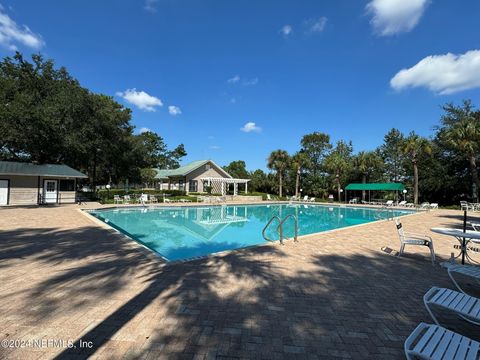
(193, 186)
(181, 185)
(66, 185)
(207, 167)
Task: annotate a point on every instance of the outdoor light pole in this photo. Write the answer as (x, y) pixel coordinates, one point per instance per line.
(340, 200)
(404, 194)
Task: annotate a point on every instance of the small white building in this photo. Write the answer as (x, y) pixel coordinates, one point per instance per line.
(34, 184)
(197, 176)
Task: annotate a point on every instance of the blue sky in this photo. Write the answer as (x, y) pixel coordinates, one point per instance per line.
(237, 79)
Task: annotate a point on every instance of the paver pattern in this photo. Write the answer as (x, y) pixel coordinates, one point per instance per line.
(332, 295)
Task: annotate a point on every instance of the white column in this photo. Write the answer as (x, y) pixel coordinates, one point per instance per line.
(235, 188)
(246, 187)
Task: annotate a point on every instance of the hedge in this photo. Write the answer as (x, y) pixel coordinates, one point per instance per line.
(108, 194)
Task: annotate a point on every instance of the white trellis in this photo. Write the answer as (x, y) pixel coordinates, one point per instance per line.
(219, 185)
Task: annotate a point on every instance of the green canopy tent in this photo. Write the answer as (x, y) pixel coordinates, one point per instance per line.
(375, 187)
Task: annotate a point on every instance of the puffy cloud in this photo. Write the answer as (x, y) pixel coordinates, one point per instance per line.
(140, 99)
(442, 74)
(286, 30)
(251, 127)
(390, 17)
(174, 110)
(150, 5)
(233, 80)
(316, 25)
(12, 34)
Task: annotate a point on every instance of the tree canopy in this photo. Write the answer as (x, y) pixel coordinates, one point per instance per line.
(48, 117)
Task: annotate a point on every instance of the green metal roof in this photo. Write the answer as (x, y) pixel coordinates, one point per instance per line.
(21, 168)
(183, 170)
(376, 186)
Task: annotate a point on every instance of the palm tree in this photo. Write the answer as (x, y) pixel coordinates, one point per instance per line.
(338, 162)
(461, 132)
(415, 146)
(299, 161)
(365, 163)
(278, 161)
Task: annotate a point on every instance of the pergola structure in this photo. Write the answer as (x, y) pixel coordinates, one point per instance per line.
(220, 185)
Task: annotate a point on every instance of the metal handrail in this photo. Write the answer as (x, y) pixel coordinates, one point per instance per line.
(268, 224)
(295, 220)
(280, 227)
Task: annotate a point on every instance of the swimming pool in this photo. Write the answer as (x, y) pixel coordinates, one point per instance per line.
(180, 233)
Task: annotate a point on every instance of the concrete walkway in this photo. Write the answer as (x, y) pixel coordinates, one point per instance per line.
(335, 295)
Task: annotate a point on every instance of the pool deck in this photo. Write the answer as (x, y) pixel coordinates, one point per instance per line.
(66, 277)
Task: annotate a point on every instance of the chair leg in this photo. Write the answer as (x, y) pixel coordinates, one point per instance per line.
(455, 282)
(402, 248)
(430, 312)
(432, 253)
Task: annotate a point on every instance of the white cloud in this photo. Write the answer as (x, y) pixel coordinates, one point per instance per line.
(150, 5)
(286, 30)
(140, 99)
(143, 129)
(11, 34)
(250, 82)
(174, 110)
(214, 147)
(316, 25)
(251, 127)
(233, 80)
(442, 74)
(392, 17)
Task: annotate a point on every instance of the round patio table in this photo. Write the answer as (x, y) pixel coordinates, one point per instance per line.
(463, 238)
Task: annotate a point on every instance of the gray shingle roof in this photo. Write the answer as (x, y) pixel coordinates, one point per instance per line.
(20, 168)
(183, 170)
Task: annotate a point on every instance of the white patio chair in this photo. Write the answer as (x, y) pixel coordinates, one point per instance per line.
(408, 238)
(433, 206)
(389, 203)
(471, 271)
(305, 198)
(433, 342)
(465, 206)
(117, 199)
(312, 199)
(409, 205)
(153, 199)
(463, 305)
(269, 198)
(126, 199)
(143, 198)
(425, 206)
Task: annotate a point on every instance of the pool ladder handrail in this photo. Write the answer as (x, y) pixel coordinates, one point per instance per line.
(280, 227)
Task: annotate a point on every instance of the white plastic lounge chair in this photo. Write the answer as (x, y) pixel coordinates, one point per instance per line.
(425, 206)
(153, 199)
(117, 199)
(269, 198)
(433, 342)
(305, 198)
(471, 271)
(409, 205)
(463, 305)
(312, 199)
(143, 198)
(389, 203)
(433, 206)
(402, 203)
(407, 238)
(169, 201)
(126, 199)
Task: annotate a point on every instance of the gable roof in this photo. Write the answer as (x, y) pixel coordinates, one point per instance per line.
(186, 169)
(21, 168)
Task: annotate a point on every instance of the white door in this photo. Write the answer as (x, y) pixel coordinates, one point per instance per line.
(50, 191)
(3, 192)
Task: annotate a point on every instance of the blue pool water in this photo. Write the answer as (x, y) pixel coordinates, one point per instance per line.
(178, 233)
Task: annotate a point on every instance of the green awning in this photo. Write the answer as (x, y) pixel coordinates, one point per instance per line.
(376, 186)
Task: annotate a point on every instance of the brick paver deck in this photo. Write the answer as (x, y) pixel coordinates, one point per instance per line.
(332, 295)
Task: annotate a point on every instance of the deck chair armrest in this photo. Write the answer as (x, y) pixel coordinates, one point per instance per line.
(417, 236)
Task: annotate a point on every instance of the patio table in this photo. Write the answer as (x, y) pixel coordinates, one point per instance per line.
(463, 237)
